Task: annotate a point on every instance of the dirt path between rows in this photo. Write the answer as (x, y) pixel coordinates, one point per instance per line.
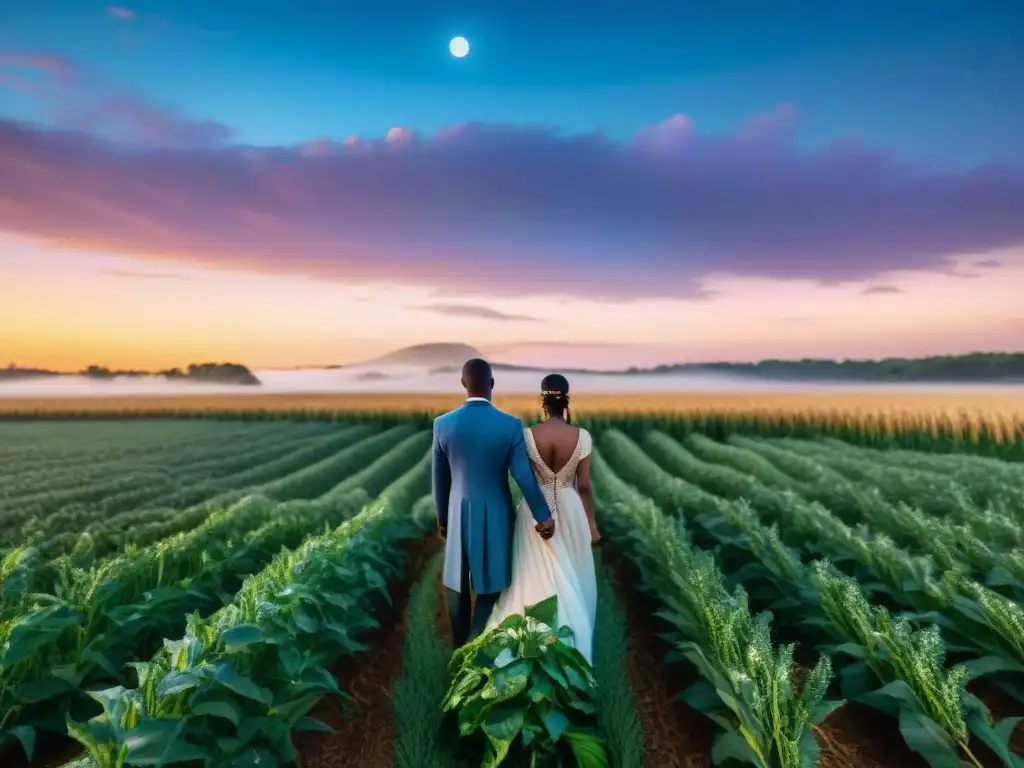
(364, 725)
(675, 736)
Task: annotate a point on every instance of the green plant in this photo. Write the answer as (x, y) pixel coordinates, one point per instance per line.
(901, 672)
(527, 693)
(617, 716)
(420, 690)
(233, 689)
(747, 685)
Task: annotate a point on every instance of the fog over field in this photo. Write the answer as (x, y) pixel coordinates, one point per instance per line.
(420, 379)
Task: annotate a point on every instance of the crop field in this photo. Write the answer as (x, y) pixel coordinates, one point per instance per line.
(833, 584)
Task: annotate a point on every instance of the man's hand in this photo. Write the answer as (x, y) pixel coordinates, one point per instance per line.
(442, 532)
(546, 529)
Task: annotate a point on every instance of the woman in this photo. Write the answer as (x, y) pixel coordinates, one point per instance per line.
(563, 565)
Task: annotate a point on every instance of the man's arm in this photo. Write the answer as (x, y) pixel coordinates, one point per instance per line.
(442, 481)
(522, 473)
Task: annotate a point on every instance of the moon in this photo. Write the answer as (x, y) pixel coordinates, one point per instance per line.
(459, 46)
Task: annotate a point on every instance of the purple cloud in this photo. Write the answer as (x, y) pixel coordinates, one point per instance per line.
(80, 100)
(880, 290)
(512, 211)
(482, 313)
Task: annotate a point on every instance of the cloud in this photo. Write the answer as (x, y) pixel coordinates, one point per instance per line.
(131, 274)
(81, 100)
(988, 264)
(27, 69)
(514, 345)
(121, 13)
(508, 211)
(16, 83)
(483, 313)
(880, 290)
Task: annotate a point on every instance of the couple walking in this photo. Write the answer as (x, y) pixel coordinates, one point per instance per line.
(514, 558)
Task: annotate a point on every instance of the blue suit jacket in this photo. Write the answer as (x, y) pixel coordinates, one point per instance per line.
(475, 448)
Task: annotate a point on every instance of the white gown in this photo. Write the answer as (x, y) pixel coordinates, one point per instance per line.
(562, 565)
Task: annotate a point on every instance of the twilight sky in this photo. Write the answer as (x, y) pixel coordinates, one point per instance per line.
(595, 184)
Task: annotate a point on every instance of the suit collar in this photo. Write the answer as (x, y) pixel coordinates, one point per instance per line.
(477, 401)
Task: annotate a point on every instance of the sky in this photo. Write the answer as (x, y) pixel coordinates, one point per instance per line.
(596, 184)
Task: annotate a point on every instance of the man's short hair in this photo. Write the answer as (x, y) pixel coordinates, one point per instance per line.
(477, 375)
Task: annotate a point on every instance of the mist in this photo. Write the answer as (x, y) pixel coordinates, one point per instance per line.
(419, 379)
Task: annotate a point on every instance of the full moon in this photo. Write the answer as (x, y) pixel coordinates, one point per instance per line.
(459, 46)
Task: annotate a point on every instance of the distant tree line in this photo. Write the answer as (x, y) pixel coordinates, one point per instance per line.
(975, 367)
(219, 373)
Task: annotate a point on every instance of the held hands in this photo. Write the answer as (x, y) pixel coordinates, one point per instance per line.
(546, 529)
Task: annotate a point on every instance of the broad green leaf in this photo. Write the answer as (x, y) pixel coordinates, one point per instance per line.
(304, 620)
(702, 696)
(926, 737)
(176, 682)
(222, 708)
(504, 721)
(291, 659)
(312, 724)
(731, 745)
(227, 676)
(541, 688)
(890, 698)
(242, 635)
(26, 736)
(988, 665)
(587, 748)
(159, 742)
(996, 738)
(546, 611)
(41, 690)
(555, 722)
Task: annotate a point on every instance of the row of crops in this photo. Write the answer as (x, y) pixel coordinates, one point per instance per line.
(200, 616)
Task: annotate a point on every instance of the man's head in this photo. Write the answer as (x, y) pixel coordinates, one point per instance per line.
(477, 378)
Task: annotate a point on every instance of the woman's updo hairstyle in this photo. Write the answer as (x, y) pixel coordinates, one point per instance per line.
(554, 396)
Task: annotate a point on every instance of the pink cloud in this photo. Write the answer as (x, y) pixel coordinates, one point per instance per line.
(50, 64)
(121, 13)
(502, 210)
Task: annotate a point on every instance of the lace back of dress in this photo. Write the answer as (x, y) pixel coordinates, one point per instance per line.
(552, 482)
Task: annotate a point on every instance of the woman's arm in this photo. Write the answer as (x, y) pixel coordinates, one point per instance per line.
(583, 488)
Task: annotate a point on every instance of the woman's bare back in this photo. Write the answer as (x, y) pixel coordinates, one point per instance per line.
(556, 442)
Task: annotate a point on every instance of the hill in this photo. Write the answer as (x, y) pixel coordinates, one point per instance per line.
(431, 355)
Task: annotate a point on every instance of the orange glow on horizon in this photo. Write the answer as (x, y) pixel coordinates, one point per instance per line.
(66, 309)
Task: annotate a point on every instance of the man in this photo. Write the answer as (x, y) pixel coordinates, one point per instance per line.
(475, 448)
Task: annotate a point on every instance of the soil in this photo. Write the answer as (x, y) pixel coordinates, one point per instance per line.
(855, 736)
(52, 750)
(1001, 705)
(364, 726)
(675, 736)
